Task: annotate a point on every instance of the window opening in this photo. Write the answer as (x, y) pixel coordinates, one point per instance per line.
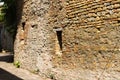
(23, 25)
(58, 41)
(59, 38)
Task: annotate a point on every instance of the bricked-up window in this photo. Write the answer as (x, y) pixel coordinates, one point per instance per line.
(59, 38)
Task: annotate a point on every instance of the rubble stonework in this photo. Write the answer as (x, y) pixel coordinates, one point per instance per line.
(60, 38)
(34, 35)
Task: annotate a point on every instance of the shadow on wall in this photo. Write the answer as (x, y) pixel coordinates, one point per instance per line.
(5, 75)
(19, 7)
(6, 39)
(19, 11)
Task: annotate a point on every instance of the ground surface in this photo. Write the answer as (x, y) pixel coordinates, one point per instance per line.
(9, 72)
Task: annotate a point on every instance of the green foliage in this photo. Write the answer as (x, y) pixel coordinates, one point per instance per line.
(17, 64)
(36, 71)
(2, 17)
(9, 16)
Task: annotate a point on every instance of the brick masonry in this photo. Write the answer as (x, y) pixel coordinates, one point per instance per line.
(92, 32)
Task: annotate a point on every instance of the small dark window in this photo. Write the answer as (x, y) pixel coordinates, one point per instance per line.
(118, 21)
(59, 37)
(23, 25)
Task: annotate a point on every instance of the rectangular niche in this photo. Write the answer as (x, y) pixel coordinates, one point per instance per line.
(58, 41)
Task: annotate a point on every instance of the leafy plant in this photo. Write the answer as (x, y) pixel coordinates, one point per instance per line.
(17, 64)
(52, 76)
(2, 17)
(9, 16)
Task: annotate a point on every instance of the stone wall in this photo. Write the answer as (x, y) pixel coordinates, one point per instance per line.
(62, 38)
(34, 40)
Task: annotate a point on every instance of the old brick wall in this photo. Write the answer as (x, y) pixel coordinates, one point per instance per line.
(62, 38)
(91, 38)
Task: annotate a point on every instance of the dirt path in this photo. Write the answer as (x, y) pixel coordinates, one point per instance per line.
(10, 72)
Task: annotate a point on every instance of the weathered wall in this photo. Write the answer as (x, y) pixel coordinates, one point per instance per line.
(64, 38)
(34, 41)
(92, 35)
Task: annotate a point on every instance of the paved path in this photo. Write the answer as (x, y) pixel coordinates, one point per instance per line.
(10, 72)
